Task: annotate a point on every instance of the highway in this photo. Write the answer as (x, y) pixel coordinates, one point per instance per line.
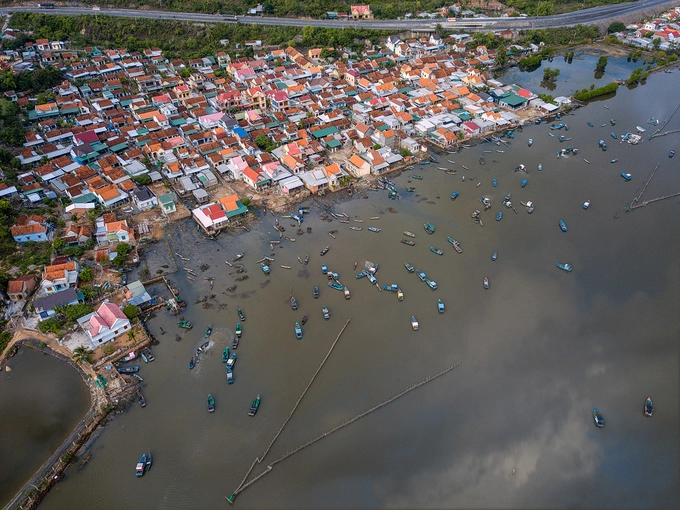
(593, 15)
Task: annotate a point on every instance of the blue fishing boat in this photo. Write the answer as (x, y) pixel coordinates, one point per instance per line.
(192, 362)
(409, 267)
(649, 407)
(494, 182)
(326, 313)
(600, 142)
(613, 135)
(530, 142)
(523, 183)
(599, 420)
(440, 306)
(324, 269)
(566, 126)
(293, 303)
(421, 275)
(230, 376)
(429, 228)
(231, 361)
(316, 292)
(418, 177)
(613, 160)
(563, 226)
(265, 268)
(494, 255)
(454, 195)
(564, 267)
(604, 147)
(360, 275)
(499, 216)
(671, 154)
(239, 330)
(336, 285)
(586, 204)
(511, 134)
(626, 176)
(431, 283)
(140, 469)
(374, 229)
(591, 124)
(436, 251)
(128, 370)
(298, 331)
(225, 355)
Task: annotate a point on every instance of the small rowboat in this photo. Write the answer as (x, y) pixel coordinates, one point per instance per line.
(649, 408)
(408, 242)
(486, 282)
(409, 234)
(564, 267)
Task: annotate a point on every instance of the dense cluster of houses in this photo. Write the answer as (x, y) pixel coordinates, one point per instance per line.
(665, 28)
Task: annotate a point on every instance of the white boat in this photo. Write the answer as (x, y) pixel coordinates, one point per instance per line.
(586, 204)
(414, 323)
(640, 129)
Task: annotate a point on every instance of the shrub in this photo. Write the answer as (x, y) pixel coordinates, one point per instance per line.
(587, 94)
(131, 311)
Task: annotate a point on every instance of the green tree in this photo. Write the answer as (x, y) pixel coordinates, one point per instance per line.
(616, 26)
(82, 355)
(601, 63)
(550, 74)
(58, 243)
(131, 311)
(501, 56)
(656, 42)
(142, 180)
(264, 143)
(87, 274)
(75, 312)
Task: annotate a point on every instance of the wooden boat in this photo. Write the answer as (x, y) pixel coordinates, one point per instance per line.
(563, 226)
(455, 244)
(406, 241)
(564, 267)
(298, 331)
(586, 204)
(140, 468)
(494, 256)
(149, 461)
(211, 403)
(375, 217)
(185, 324)
(409, 267)
(231, 361)
(241, 315)
(202, 348)
(649, 407)
(128, 370)
(454, 195)
(431, 283)
(400, 294)
(499, 216)
(597, 417)
(304, 320)
(429, 228)
(374, 229)
(238, 256)
(138, 377)
(230, 376)
(316, 292)
(254, 406)
(540, 167)
(336, 285)
(324, 251)
(486, 282)
(234, 343)
(409, 234)
(192, 362)
(326, 313)
(346, 292)
(141, 399)
(494, 182)
(208, 332)
(626, 176)
(359, 221)
(418, 177)
(265, 268)
(225, 355)
(293, 303)
(414, 323)
(144, 358)
(523, 183)
(410, 189)
(238, 330)
(436, 251)
(440, 306)
(355, 228)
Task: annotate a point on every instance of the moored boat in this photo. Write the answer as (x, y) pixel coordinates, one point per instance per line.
(208, 332)
(494, 255)
(128, 370)
(298, 330)
(140, 468)
(671, 154)
(149, 461)
(374, 229)
(454, 195)
(540, 167)
(586, 204)
(436, 251)
(265, 268)
(241, 315)
(649, 408)
(230, 376)
(455, 244)
(211, 403)
(203, 347)
(421, 275)
(597, 417)
(418, 177)
(360, 275)
(254, 406)
(494, 182)
(431, 283)
(304, 320)
(626, 176)
(234, 343)
(564, 267)
(185, 324)
(336, 285)
(239, 329)
(192, 362)
(141, 399)
(429, 228)
(640, 129)
(408, 242)
(414, 323)
(238, 257)
(293, 303)
(324, 251)
(225, 354)
(409, 267)
(440, 306)
(231, 361)
(499, 216)
(486, 282)
(409, 234)
(324, 269)
(316, 292)
(346, 292)
(326, 313)
(530, 142)
(563, 226)
(400, 294)
(523, 183)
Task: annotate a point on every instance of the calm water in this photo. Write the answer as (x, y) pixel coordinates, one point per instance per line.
(41, 401)
(573, 76)
(539, 349)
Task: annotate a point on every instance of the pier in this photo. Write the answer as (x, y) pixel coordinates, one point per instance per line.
(635, 203)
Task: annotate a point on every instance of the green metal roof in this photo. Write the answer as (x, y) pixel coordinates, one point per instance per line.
(323, 133)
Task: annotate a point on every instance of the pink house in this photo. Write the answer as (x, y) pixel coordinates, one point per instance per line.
(105, 324)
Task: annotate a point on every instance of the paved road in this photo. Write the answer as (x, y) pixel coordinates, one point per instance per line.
(592, 15)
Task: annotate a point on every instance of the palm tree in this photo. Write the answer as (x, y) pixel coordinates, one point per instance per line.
(132, 336)
(82, 355)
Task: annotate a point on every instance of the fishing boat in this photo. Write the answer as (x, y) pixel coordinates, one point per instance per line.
(138, 377)
(241, 315)
(374, 229)
(429, 228)
(671, 154)
(455, 244)
(494, 182)
(486, 282)
(410, 189)
(234, 343)
(523, 183)
(346, 292)
(590, 124)
(298, 331)
(551, 135)
(144, 358)
(597, 417)
(361, 275)
(239, 330)
(431, 283)
(626, 176)
(400, 294)
(192, 362)
(563, 226)
(211, 403)
(564, 267)
(225, 354)
(499, 216)
(409, 234)
(141, 399)
(414, 323)
(418, 177)
(238, 256)
(612, 121)
(436, 251)
(440, 306)
(149, 461)
(293, 303)
(208, 332)
(324, 251)
(185, 324)
(232, 360)
(649, 408)
(336, 285)
(530, 142)
(324, 269)
(586, 204)
(481, 161)
(494, 256)
(254, 406)
(316, 292)
(613, 160)
(326, 313)
(614, 135)
(604, 147)
(454, 195)
(141, 466)
(409, 267)
(265, 268)
(230, 376)
(128, 370)
(425, 163)
(421, 275)
(640, 129)
(304, 320)
(202, 348)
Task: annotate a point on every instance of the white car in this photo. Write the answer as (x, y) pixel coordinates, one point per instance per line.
(96, 9)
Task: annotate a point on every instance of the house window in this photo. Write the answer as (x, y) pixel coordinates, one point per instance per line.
(125, 327)
(115, 332)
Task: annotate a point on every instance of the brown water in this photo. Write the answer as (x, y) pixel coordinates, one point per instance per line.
(539, 349)
(42, 399)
